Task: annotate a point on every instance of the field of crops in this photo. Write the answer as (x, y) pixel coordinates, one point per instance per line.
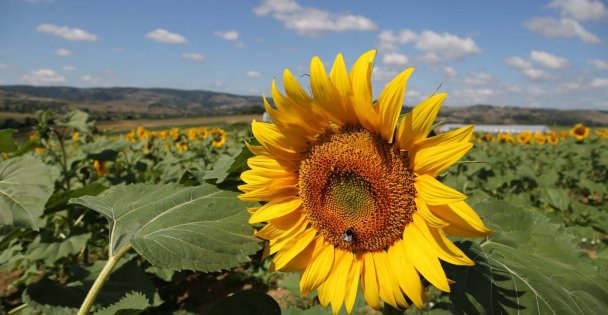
(149, 222)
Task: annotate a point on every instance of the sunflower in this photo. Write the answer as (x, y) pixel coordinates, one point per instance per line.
(579, 132)
(350, 190)
(524, 137)
(100, 167)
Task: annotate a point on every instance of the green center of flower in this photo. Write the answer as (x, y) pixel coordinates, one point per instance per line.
(349, 196)
(356, 189)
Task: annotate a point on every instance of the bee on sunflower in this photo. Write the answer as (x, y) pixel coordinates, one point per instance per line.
(350, 191)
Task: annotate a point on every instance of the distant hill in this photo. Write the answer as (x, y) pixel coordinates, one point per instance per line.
(134, 103)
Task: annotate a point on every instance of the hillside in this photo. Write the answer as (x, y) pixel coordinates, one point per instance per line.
(137, 103)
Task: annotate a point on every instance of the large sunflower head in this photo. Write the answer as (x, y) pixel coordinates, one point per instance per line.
(349, 189)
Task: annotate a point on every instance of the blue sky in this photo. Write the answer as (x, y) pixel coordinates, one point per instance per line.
(550, 53)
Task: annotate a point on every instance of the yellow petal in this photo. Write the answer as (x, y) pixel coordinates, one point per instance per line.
(264, 162)
(293, 89)
(301, 261)
(424, 258)
(318, 268)
(336, 283)
(389, 287)
(390, 104)
(418, 122)
(341, 80)
(436, 159)
(365, 113)
(276, 208)
(279, 227)
(428, 216)
(324, 91)
(300, 114)
(370, 286)
(276, 142)
(294, 248)
(407, 277)
(448, 251)
(463, 134)
(352, 284)
(433, 192)
(463, 220)
(361, 76)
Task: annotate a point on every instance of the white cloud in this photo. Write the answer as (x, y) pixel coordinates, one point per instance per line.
(253, 74)
(89, 79)
(311, 21)
(395, 59)
(526, 68)
(227, 35)
(163, 36)
(43, 77)
(479, 78)
(600, 83)
(193, 56)
(218, 84)
(69, 68)
(600, 64)
(62, 52)
(548, 60)
(443, 45)
(430, 57)
(475, 96)
(239, 45)
(450, 72)
(581, 10)
(383, 74)
(566, 28)
(67, 33)
(4, 66)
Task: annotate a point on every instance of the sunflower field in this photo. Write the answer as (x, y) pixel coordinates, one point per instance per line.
(350, 207)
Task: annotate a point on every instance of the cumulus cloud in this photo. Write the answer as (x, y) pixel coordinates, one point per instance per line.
(599, 83)
(441, 45)
(383, 74)
(89, 79)
(310, 21)
(475, 96)
(69, 68)
(67, 33)
(252, 74)
(450, 72)
(526, 68)
(62, 52)
(193, 56)
(581, 10)
(227, 35)
(395, 59)
(600, 64)
(43, 77)
(548, 60)
(565, 28)
(163, 36)
(478, 78)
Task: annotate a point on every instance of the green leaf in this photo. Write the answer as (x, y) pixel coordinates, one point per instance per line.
(104, 149)
(229, 167)
(25, 186)
(59, 200)
(174, 227)
(49, 252)
(77, 120)
(220, 169)
(132, 304)
(247, 302)
(7, 143)
(529, 265)
(556, 197)
(50, 297)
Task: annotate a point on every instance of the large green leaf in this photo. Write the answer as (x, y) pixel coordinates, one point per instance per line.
(104, 149)
(25, 186)
(59, 200)
(77, 120)
(132, 304)
(51, 297)
(49, 252)
(174, 227)
(528, 266)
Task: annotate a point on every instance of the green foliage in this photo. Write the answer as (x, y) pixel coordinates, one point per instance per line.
(132, 304)
(25, 186)
(7, 143)
(247, 302)
(177, 227)
(529, 265)
(51, 251)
